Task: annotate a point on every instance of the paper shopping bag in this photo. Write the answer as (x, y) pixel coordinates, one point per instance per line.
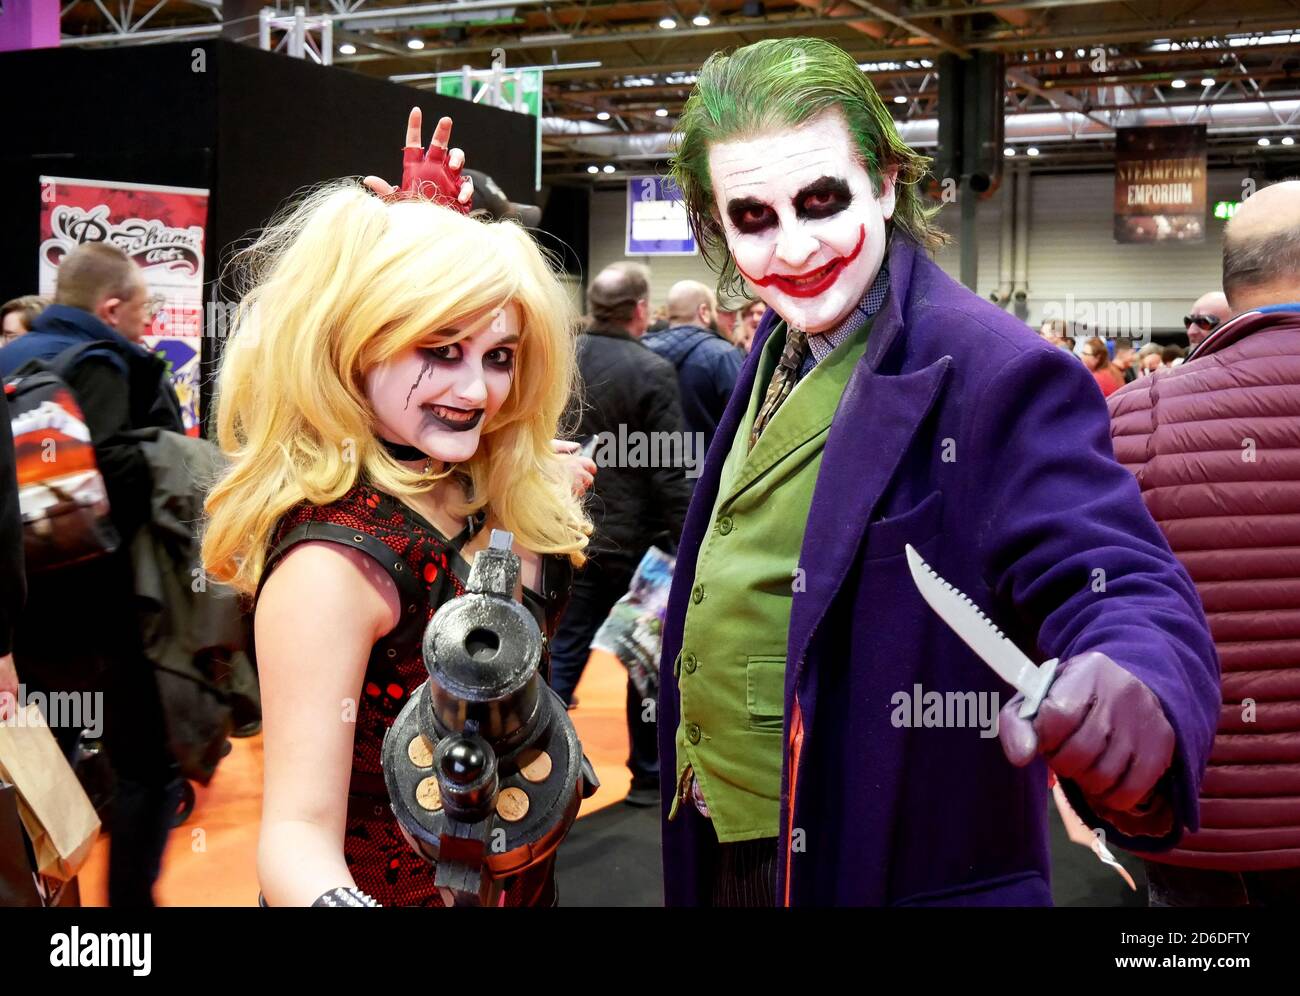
(54, 808)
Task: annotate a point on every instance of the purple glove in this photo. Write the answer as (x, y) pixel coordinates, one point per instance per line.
(1099, 727)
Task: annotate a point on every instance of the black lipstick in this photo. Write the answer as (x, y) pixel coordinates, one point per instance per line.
(454, 424)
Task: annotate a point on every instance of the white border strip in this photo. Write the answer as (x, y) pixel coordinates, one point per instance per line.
(119, 185)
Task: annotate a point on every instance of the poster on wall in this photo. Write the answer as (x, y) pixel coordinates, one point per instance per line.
(656, 219)
(1160, 184)
(162, 230)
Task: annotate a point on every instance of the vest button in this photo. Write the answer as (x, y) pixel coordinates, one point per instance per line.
(690, 663)
(693, 733)
(725, 524)
(697, 594)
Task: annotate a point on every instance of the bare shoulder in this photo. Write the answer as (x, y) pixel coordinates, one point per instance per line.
(320, 581)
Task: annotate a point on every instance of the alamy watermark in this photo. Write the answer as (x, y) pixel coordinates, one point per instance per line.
(60, 710)
(919, 709)
(1129, 319)
(648, 449)
(75, 949)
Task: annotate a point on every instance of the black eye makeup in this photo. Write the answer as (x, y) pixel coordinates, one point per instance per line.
(750, 215)
(448, 353)
(823, 198)
(501, 358)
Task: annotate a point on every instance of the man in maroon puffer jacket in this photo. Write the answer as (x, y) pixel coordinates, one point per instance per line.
(1215, 445)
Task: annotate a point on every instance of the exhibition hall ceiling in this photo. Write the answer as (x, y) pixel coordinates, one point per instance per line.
(617, 73)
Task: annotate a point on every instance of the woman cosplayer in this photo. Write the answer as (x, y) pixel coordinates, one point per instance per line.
(390, 395)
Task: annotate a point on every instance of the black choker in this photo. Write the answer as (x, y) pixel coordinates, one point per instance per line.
(398, 451)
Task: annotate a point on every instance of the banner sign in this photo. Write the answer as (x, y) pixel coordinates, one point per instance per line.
(162, 230)
(1160, 184)
(656, 219)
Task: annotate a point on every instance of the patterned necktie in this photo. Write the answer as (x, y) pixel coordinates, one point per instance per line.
(784, 378)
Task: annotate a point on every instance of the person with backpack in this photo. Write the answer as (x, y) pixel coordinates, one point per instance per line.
(707, 364)
(80, 631)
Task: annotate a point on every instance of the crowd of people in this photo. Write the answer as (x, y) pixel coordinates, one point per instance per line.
(405, 378)
(1115, 362)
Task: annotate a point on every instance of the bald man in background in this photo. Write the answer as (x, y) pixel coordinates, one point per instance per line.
(707, 364)
(1208, 313)
(1224, 491)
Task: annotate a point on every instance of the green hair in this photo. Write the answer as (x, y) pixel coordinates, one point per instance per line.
(783, 82)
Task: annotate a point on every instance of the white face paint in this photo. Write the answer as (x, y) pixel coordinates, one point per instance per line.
(439, 396)
(801, 220)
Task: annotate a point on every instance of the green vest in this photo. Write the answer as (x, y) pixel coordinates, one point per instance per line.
(731, 671)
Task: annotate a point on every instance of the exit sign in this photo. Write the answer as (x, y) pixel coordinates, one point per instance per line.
(1226, 209)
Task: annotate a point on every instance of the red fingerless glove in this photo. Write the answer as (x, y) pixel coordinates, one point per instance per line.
(429, 178)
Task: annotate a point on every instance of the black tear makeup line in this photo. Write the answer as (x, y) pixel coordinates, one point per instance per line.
(424, 369)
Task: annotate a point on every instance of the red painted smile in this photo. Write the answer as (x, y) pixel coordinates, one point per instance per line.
(813, 282)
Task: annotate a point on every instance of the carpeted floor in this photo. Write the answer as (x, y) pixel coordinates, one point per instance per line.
(611, 858)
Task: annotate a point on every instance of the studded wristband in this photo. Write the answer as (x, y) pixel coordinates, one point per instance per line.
(345, 896)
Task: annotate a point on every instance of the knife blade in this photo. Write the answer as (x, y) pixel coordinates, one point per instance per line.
(982, 636)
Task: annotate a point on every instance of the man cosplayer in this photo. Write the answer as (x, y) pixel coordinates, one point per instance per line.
(883, 405)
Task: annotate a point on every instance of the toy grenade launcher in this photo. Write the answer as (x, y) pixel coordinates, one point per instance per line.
(483, 765)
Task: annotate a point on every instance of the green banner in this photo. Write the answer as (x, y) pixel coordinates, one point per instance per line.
(518, 90)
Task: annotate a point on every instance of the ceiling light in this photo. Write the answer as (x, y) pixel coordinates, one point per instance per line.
(609, 167)
(1008, 152)
(927, 64)
(1207, 81)
(1079, 52)
(1060, 54)
(667, 23)
(900, 99)
(593, 169)
(415, 43)
(1288, 140)
(1264, 141)
(602, 115)
(1032, 150)
(662, 112)
(546, 38)
(347, 48)
(700, 20)
(1178, 84)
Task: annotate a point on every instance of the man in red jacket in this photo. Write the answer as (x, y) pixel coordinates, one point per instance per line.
(1226, 491)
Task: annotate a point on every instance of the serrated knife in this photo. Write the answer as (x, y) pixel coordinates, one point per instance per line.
(977, 632)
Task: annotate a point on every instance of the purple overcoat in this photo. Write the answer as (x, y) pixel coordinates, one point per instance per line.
(964, 434)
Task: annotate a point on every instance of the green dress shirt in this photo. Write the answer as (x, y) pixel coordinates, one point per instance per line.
(731, 671)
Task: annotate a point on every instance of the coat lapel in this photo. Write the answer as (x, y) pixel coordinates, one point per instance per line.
(877, 417)
(689, 839)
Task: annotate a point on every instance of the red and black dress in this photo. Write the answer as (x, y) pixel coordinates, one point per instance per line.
(428, 570)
